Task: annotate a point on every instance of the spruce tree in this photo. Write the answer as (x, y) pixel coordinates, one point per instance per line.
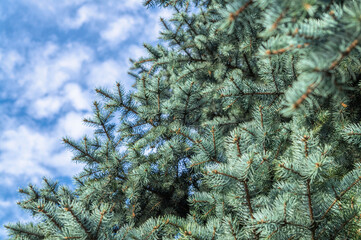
(246, 126)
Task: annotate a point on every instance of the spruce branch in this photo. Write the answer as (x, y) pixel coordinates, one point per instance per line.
(236, 141)
(204, 157)
(310, 207)
(76, 218)
(100, 222)
(285, 49)
(76, 147)
(233, 16)
(305, 139)
(25, 232)
(339, 229)
(308, 92)
(344, 54)
(340, 196)
(290, 169)
(51, 218)
(175, 37)
(233, 233)
(278, 20)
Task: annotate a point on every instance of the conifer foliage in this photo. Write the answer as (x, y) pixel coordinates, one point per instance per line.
(246, 126)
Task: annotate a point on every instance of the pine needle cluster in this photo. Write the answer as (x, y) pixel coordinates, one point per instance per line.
(246, 126)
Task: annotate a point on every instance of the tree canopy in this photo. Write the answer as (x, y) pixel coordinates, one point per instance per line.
(246, 126)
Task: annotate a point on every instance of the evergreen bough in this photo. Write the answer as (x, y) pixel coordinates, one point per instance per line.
(247, 126)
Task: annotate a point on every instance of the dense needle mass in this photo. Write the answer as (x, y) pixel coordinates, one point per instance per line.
(247, 126)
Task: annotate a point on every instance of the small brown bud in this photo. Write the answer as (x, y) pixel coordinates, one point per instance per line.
(307, 6)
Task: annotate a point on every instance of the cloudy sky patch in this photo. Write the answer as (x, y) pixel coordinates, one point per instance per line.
(52, 56)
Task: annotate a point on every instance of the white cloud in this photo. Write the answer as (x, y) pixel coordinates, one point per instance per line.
(63, 165)
(49, 7)
(152, 33)
(51, 79)
(22, 152)
(86, 10)
(51, 66)
(8, 61)
(46, 72)
(47, 51)
(72, 95)
(72, 125)
(46, 106)
(45, 83)
(105, 74)
(78, 97)
(84, 15)
(27, 152)
(122, 5)
(5, 203)
(135, 52)
(112, 18)
(72, 59)
(13, 213)
(120, 29)
(7, 180)
(131, 4)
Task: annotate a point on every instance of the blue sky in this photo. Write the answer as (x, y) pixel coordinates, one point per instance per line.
(52, 55)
